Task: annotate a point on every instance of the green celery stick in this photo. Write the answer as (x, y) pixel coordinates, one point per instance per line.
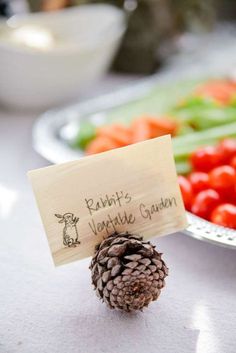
(86, 134)
(203, 137)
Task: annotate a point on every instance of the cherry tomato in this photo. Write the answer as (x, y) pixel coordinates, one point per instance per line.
(228, 149)
(222, 178)
(233, 162)
(199, 181)
(232, 197)
(224, 215)
(205, 202)
(205, 159)
(228, 195)
(186, 190)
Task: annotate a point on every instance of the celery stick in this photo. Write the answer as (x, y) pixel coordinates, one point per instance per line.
(183, 152)
(207, 117)
(86, 134)
(210, 136)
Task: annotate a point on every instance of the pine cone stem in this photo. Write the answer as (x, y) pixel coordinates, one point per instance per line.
(127, 272)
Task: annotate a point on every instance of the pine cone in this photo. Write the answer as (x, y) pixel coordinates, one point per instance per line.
(127, 272)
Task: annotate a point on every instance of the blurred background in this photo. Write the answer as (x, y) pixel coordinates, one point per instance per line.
(67, 45)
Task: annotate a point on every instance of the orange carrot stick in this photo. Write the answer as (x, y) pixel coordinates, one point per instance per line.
(221, 91)
(117, 132)
(101, 144)
(141, 130)
(161, 126)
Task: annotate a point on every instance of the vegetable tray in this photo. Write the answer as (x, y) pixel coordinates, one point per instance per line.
(54, 130)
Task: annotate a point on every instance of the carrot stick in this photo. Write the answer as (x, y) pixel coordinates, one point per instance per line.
(100, 144)
(161, 126)
(117, 132)
(140, 130)
(221, 91)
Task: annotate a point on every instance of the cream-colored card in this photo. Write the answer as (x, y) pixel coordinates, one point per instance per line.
(131, 189)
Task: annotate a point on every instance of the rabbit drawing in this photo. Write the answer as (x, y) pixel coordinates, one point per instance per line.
(70, 233)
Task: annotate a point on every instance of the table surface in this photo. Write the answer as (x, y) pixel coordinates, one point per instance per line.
(43, 309)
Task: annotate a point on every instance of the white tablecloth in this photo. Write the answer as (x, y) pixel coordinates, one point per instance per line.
(48, 310)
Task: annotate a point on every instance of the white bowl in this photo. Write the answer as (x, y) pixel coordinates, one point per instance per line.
(34, 79)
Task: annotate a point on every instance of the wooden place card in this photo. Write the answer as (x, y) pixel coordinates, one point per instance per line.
(131, 189)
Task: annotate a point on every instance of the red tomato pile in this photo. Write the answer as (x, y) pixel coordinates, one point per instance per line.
(210, 190)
